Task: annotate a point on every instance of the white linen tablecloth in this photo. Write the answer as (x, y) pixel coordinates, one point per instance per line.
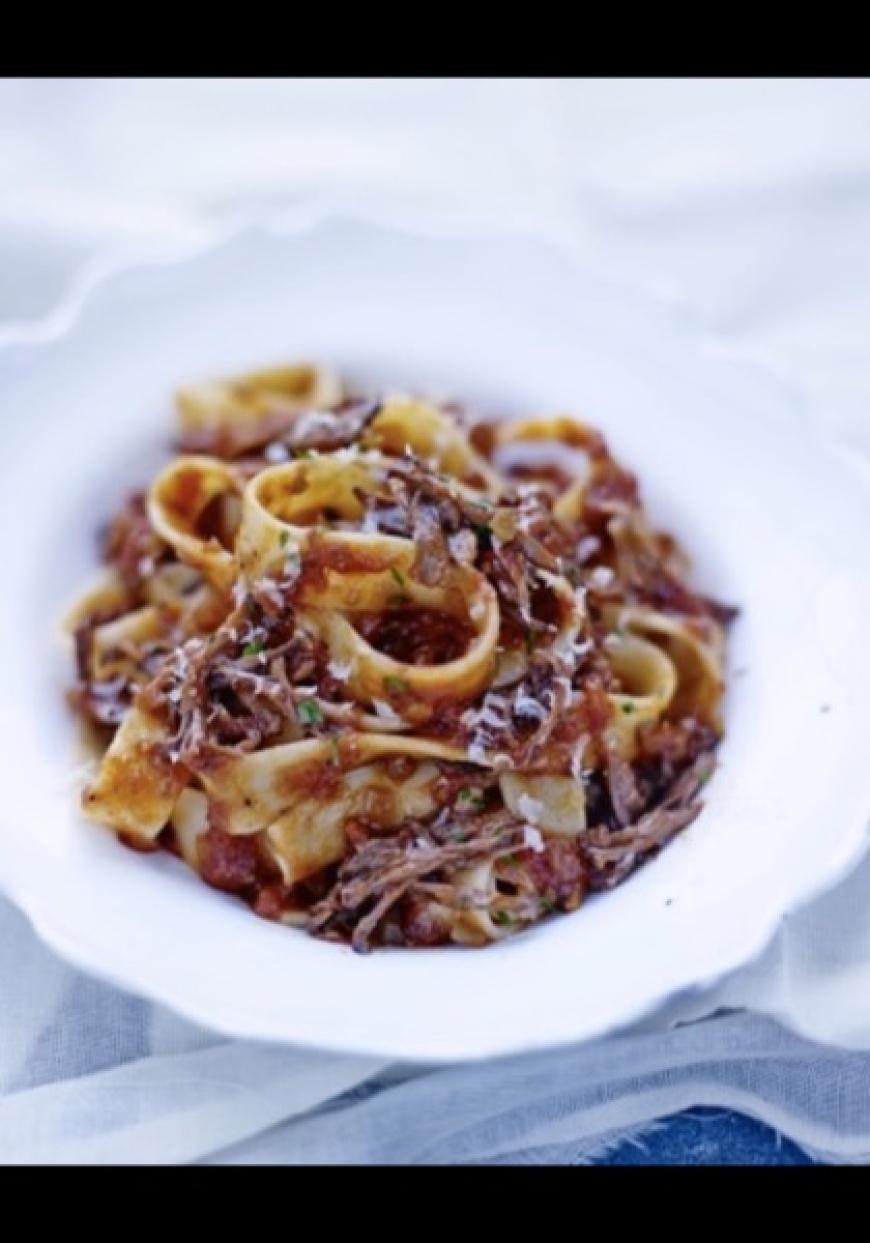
(747, 201)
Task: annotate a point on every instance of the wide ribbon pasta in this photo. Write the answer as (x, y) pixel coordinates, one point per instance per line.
(349, 666)
(193, 505)
(289, 517)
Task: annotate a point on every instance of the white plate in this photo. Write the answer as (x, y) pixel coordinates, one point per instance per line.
(776, 524)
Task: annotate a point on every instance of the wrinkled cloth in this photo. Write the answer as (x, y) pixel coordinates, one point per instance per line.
(747, 204)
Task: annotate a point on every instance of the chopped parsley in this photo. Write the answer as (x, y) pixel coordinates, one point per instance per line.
(628, 708)
(283, 538)
(502, 918)
(254, 648)
(397, 576)
(470, 799)
(548, 906)
(309, 712)
(396, 686)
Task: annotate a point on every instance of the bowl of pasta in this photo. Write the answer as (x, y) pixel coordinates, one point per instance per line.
(416, 645)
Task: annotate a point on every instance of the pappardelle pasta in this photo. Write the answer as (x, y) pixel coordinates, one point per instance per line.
(391, 673)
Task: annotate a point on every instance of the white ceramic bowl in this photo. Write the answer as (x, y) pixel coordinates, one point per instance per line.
(726, 459)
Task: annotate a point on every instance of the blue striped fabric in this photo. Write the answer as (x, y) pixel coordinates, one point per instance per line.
(709, 1137)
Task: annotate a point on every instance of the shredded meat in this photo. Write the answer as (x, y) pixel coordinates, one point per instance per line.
(326, 431)
(415, 636)
(374, 877)
(417, 867)
(624, 794)
(132, 546)
(432, 562)
(559, 873)
(614, 854)
(232, 692)
(675, 744)
(646, 576)
(291, 430)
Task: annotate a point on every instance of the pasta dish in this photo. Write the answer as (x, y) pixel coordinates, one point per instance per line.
(391, 673)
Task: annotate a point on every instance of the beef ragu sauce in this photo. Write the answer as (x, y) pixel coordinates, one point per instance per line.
(322, 557)
(218, 521)
(132, 547)
(547, 473)
(261, 677)
(415, 636)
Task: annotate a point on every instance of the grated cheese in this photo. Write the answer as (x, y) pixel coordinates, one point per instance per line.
(476, 753)
(526, 705)
(276, 452)
(602, 577)
(577, 770)
(477, 608)
(532, 838)
(531, 809)
(339, 669)
(587, 547)
(313, 420)
(462, 545)
(385, 710)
